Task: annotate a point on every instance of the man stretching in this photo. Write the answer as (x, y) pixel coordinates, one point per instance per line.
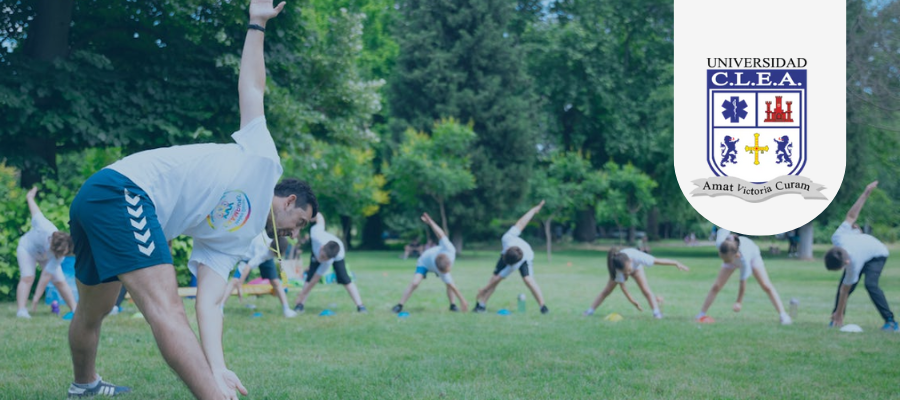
(222, 195)
(516, 255)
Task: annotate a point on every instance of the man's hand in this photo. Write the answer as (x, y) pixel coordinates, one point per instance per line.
(871, 187)
(31, 193)
(262, 11)
(638, 305)
(538, 207)
(464, 305)
(682, 266)
(736, 307)
(229, 383)
(427, 218)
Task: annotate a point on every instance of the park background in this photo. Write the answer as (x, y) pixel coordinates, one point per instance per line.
(472, 111)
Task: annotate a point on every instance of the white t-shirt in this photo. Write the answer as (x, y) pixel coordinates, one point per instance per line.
(639, 260)
(320, 237)
(861, 248)
(219, 194)
(511, 239)
(258, 252)
(749, 253)
(428, 257)
(37, 242)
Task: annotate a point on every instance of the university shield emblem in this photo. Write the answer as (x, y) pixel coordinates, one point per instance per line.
(757, 125)
(760, 113)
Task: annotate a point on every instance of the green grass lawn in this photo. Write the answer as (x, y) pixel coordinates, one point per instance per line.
(436, 354)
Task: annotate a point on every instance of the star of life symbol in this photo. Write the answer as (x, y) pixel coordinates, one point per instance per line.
(735, 109)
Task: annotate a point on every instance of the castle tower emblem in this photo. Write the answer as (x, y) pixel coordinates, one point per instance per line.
(778, 115)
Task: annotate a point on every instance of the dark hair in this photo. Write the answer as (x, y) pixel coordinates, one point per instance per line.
(729, 247)
(835, 258)
(330, 249)
(300, 189)
(280, 246)
(512, 255)
(442, 262)
(615, 262)
(60, 244)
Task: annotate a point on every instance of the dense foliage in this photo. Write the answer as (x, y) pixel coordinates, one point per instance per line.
(470, 110)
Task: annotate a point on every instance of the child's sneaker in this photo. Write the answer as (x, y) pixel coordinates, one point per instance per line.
(786, 319)
(23, 313)
(453, 307)
(706, 320)
(890, 326)
(288, 313)
(479, 308)
(102, 389)
(544, 309)
(362, 309)
(397, 309)
(299, 308)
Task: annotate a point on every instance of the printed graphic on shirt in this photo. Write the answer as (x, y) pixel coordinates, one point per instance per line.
(231, 213)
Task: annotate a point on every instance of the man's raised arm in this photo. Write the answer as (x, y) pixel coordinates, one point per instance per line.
(252, 79)
(853, 214)
(32, 205)
(527, 217)
(437, 230)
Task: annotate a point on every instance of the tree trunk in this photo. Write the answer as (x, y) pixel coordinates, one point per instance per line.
(373, 232)
(347, 227)
(806, 241)
(632, 232)
(548, 233)
(586, 226)
(443, 216)
(47, 40)
(48, 35)
(457, 239)
(653, 224)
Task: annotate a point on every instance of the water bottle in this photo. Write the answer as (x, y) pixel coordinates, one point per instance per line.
(794, 304)
(54, 307)
(522, 303)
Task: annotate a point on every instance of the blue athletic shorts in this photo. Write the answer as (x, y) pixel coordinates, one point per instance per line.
(424, 271)
(115, 229)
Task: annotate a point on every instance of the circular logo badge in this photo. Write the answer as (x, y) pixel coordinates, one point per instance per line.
(231, 213)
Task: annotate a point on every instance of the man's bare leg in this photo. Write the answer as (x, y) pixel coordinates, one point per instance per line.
(39, 290)
(535, 289)
(282, 296)
(354, 293)
(724, 274)
(417, 279)
(66, 293)
(485, 293)
(23, 290)
(641, 279)
(84, 331)
(307, 287)
(450, 295)
(155, 292)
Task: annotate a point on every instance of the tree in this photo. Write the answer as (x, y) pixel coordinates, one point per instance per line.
(599, 68)
(630, 192)
(566, 182)
(458, 59)
(344, 179)
(140, 75)
(436, 166)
